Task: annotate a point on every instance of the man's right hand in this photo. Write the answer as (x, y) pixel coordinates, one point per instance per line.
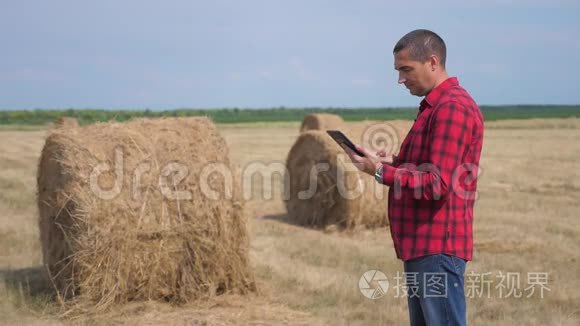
(385, 157)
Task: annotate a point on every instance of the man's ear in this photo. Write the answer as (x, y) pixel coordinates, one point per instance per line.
(433, 62)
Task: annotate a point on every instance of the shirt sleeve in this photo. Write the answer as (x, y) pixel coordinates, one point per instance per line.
(449, 136)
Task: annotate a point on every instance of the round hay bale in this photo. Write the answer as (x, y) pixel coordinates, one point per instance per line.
(325, 188)
(321, 121)
(66, 122)
(125, 213)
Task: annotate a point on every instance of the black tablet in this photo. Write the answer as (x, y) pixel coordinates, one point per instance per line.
(340, 138)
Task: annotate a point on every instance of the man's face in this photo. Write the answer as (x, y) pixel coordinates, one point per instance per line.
(415, 75)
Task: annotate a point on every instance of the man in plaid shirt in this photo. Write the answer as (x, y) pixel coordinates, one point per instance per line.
(432, 182)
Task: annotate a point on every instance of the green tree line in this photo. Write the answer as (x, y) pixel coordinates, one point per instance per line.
(236, 115)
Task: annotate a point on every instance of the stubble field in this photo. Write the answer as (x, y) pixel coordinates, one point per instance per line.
(526, 224)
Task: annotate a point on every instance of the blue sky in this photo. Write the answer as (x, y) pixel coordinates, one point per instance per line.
(205, 54)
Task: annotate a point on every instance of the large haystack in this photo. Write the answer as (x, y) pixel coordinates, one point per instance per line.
(321, 121)
(339, 194)
(66, 122)
(124, 215)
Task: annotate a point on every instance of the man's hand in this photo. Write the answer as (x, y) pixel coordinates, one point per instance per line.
(385, 157)
(367, 164)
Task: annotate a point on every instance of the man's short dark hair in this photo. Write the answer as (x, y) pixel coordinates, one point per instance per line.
(422, 43)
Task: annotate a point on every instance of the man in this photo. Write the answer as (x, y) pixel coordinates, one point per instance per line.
(432, 182)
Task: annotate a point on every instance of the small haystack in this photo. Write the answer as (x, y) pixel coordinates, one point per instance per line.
(66, 122)
(321, 121)
(325, 188)
(137, 211)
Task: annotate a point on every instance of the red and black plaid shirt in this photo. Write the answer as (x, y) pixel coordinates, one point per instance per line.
(433, 181)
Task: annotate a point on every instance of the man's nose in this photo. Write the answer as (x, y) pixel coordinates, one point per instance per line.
(402, 79)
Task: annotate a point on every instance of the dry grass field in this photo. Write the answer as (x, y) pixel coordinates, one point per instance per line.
(526, 221)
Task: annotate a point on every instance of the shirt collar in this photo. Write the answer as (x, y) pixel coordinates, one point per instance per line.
(434, 95)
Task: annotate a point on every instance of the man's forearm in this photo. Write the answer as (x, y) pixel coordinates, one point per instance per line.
(424, 179)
